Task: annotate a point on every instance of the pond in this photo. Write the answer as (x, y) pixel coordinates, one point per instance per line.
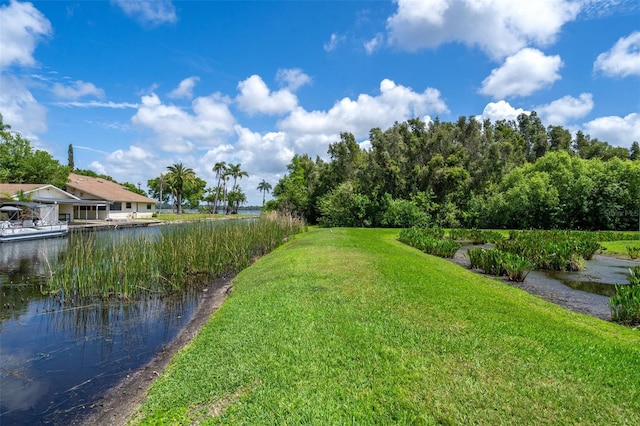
(587, 291)
(56, 360)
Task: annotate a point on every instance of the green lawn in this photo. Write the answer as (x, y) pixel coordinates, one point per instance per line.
(619, 248)
(350, 326)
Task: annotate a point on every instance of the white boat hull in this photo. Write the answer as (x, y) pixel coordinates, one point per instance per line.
(10, 232)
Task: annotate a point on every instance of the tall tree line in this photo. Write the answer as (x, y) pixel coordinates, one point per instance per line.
(511, 173)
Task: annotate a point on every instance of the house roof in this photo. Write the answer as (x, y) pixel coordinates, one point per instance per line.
(102, 189)
(41, 191)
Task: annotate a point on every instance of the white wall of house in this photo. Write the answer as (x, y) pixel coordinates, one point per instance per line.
(130, 210)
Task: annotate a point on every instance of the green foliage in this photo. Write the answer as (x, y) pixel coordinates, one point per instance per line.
(625, 305)
(430, 241)
(552, 250)
(633, 251)
(475, 236)
(344, 207)
(404, 214)
(499, 263)
(352, 327)
(510, 175)
(20, 163)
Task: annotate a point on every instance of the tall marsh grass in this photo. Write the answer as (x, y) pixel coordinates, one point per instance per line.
(192, 253)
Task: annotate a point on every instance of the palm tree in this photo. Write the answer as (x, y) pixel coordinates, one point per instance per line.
(264, 187)
(220, 168)
(178, 176)
(236, 173)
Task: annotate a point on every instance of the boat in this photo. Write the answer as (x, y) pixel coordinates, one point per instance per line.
(22, 221)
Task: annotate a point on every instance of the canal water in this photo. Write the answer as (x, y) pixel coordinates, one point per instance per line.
(57, 360)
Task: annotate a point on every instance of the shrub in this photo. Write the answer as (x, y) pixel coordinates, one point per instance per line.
(404, 214)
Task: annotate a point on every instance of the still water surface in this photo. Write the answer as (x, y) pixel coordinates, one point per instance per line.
(57, 360)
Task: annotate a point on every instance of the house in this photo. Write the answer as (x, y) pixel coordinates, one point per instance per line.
(107, 200)
(59, 204)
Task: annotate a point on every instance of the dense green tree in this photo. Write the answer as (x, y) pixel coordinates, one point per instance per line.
(294, 190)
(634, 152)
(507, 174)
(344, 206)
(559, 138)
(20, 163)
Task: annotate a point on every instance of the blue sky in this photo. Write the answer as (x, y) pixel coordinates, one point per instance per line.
(136, 86)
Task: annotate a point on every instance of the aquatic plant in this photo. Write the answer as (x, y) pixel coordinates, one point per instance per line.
(476, 236)
(553, 250)
(625, 305)
(500, 263)
(191, 253)
(633, 252)
(427, 240)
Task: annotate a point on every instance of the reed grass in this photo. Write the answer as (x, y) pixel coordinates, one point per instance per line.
(191, 253)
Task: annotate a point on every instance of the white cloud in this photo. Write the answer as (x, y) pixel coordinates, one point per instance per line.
(255, 97)
(22, 26)
(498, 27)
(394, 103)
(20, 109)
(185, 88)
(177, 130)
(501, 110)
(522, 74)
(96, 104)
(618, 131)
(293, 78)
(77, 90)
(565, 109)
(374, 44)
(149, 12)
(265, 154)
(333, 42)
(623, 60)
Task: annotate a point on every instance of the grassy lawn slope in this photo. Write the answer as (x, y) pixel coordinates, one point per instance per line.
(350, 326)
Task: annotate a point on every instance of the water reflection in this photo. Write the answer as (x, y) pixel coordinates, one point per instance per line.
(57, 357)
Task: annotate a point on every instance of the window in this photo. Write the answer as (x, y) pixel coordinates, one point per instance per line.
(128, 205)
(149, 206)
(115, 206)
